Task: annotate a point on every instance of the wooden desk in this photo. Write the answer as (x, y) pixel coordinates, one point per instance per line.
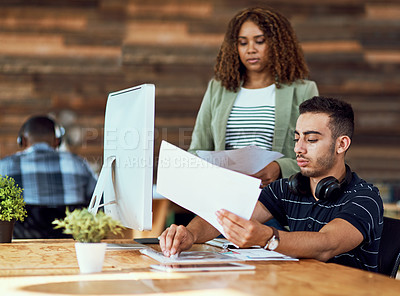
(49, 267)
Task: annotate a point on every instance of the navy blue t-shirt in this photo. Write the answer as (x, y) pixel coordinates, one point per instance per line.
(360, 205)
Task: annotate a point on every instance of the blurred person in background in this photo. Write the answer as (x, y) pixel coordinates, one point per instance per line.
(51, 179)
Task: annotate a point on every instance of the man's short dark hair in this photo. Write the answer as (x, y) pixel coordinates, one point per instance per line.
(341, 114)
(39, 127)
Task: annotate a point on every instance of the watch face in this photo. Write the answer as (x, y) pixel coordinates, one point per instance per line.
(273, 244)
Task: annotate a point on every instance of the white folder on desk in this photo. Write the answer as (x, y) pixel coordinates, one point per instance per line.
(204, 188)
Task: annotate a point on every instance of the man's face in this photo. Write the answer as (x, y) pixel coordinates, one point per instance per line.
(314, 148)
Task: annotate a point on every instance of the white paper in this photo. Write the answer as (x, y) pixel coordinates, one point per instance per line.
(248, 160)
(258, 254)
(204, 188)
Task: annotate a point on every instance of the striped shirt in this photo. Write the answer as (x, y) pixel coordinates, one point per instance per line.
(360, 205)
(252, 119)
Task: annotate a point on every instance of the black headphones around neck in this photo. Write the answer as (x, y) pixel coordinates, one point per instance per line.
(58, 130)
(328, 188)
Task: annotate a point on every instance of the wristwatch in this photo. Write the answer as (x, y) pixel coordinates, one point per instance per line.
(273, 242)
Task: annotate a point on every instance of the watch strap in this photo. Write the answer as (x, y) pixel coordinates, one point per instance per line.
(275, 233)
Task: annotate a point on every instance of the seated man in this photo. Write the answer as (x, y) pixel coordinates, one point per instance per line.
(51, 179)
(329, 220)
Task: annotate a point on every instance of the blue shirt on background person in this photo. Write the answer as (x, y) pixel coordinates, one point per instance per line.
(50, 177)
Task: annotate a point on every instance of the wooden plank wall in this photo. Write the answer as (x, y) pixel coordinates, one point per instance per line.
(64, 57)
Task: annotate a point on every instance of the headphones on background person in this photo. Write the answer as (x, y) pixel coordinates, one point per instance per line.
(59, 131)
(328, 188)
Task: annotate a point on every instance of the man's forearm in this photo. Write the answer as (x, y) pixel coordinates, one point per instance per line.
(304, 245)
(202, 230)
(336, 237)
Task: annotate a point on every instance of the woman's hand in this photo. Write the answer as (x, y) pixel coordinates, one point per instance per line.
(268, 174)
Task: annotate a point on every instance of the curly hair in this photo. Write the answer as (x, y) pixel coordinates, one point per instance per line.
(286, 59)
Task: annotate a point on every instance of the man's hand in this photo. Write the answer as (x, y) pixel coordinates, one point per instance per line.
(243, 233)
(175, 239)
(268, 174)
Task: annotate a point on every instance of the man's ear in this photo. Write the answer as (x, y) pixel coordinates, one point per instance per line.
(342, 144)
(56, 143)
(24, 142)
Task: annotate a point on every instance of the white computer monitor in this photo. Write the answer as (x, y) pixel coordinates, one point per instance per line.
(126, 178)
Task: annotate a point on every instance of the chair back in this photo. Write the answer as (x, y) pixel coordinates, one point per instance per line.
(389, 250)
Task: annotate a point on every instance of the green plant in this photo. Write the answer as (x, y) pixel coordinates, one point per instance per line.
(12, 204)
(86, 227)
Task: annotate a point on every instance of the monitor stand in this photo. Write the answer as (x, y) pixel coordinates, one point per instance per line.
(106, 173)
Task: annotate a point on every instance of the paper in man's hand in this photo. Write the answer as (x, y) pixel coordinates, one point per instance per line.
(204, 188)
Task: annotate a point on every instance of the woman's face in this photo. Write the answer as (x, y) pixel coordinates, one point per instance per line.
(252, 47)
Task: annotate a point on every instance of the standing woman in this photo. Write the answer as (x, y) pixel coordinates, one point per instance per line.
(260, 80)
